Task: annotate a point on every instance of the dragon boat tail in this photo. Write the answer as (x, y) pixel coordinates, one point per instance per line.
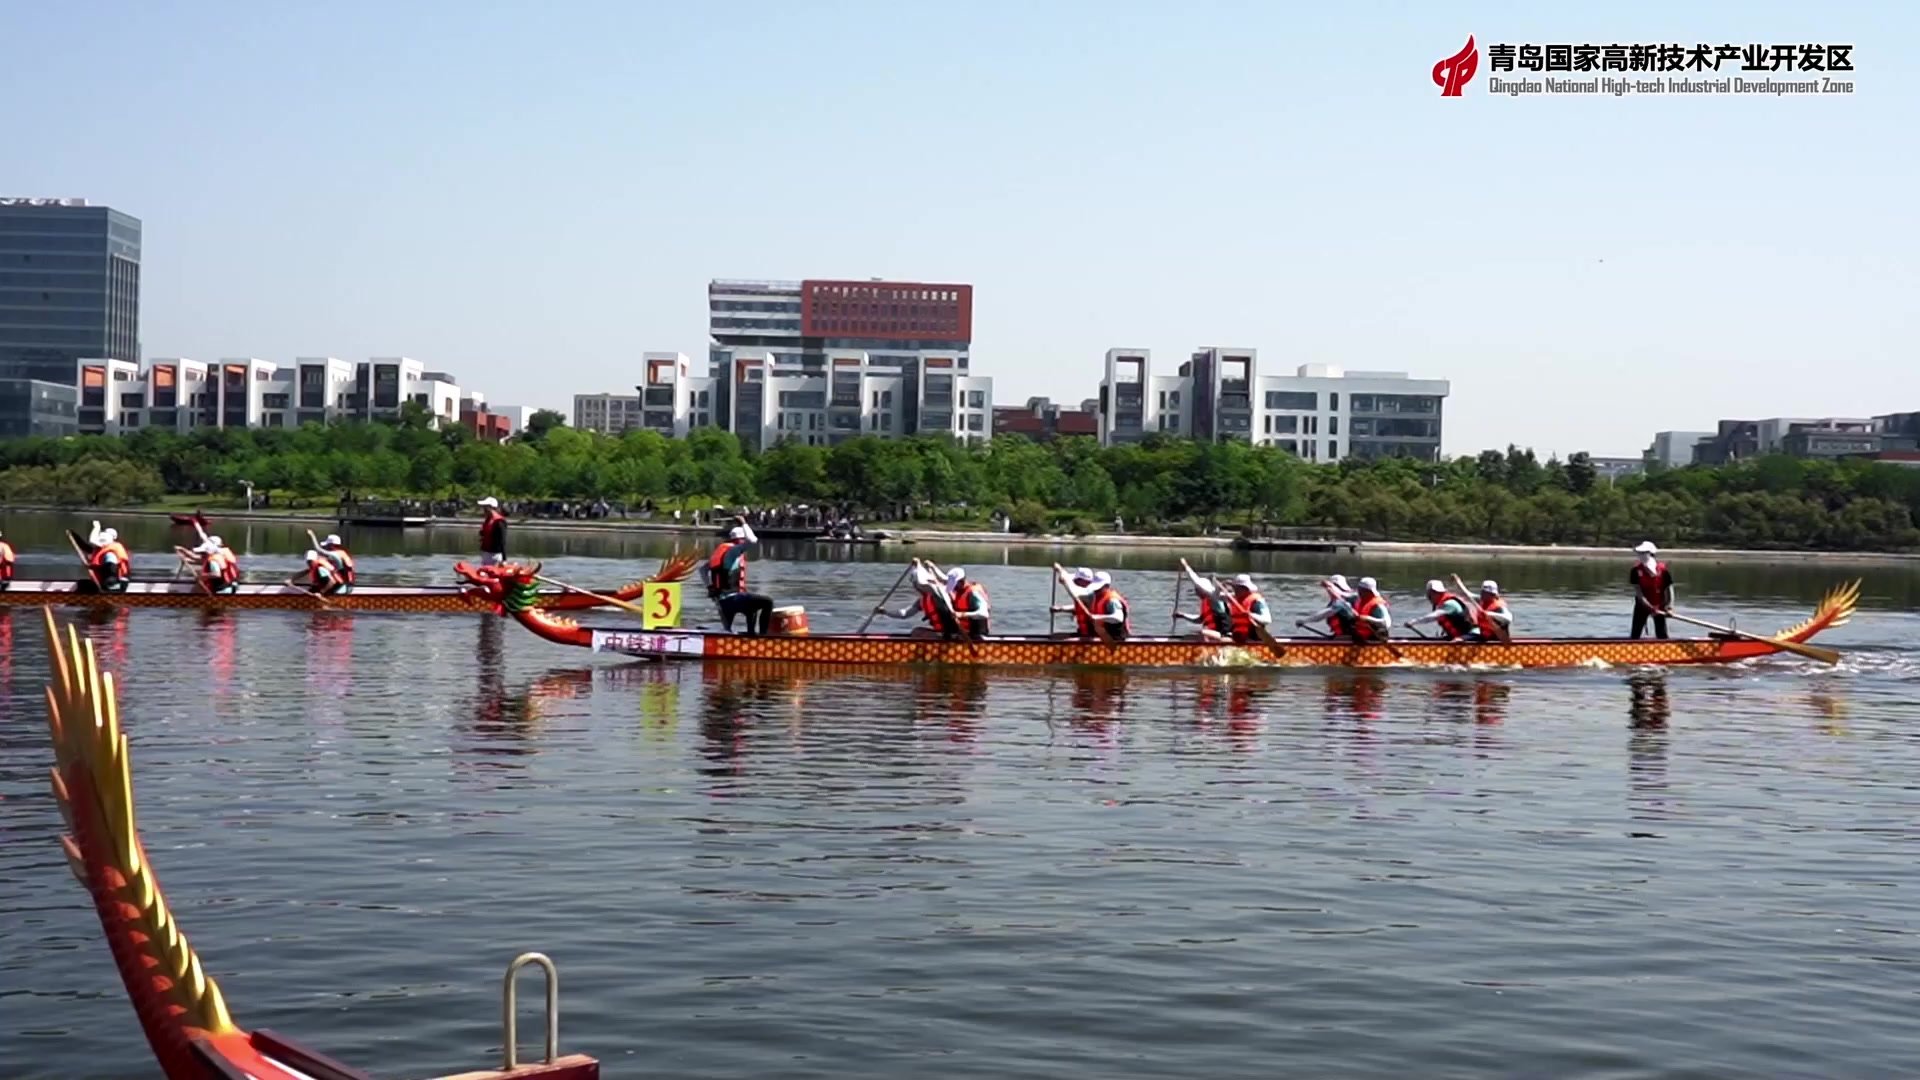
(512, 587)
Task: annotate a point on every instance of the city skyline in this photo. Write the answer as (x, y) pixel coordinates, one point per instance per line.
(1663, 262)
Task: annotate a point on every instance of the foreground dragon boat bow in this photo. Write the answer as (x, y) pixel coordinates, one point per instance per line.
(179, 1005)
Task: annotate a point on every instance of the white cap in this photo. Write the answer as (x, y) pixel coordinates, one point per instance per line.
(1436, 585)
(1490, 586)
(1103, 579)
(332, 540)
(738, 532)
(955, 576)
(1339, 581)
(1082, 574)
(108, 536)
(489, 501)
(1646, 548)
(1367, 584)
(312, 555)
(213, 542)
(1243, 582)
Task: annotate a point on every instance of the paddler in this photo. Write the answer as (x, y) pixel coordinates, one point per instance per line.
(342, 560)
(107, 561)
(493, 532)
(1495, 616)
(1102, 603)
(1250, 613)
(215, 566)
(1216, 610)
(933, 603)
(1449, 612)
(1652, 590)
(1362, 617)
(970, 605)
(6, 563)
(726, 573)
(323, 574)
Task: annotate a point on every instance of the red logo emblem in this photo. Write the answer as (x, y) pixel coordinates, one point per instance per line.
(1455, 71)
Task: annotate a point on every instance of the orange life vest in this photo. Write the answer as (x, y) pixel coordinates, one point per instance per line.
(1241, 610)
(1454, 626)
(965, 600)
(1489, 627)
(321, 570)
(223, 567)
(122, 567)
(341, 560)
(1364, 606)
(1216, 612)
(1100, 603)
(719, 582)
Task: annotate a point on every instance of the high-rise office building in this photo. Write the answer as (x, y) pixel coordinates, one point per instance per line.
(69, 287)
(817, 345)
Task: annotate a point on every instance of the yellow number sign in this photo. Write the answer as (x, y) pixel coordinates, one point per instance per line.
(660, 605)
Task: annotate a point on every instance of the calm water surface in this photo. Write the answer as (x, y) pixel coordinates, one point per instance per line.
(804, 872)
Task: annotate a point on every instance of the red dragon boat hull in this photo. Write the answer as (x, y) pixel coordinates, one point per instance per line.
(1167, 653)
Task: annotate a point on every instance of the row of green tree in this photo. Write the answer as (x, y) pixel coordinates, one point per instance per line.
(1166, 485)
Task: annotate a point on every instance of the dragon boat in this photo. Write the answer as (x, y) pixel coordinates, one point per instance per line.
(414, 599)
(178, 1003)
(512, 588)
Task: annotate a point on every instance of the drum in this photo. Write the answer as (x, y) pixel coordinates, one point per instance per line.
(788, 622)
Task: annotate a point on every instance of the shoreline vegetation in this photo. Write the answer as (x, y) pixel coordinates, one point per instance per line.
(1071, 492)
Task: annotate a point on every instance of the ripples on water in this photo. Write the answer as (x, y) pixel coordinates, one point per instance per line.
(804, 872)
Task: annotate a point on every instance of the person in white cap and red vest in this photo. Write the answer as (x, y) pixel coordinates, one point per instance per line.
(1495, 616)
(1363, 617)
(1652, 590)
(726, 574)
(342, 559)
(1449, 611)
(493, 532)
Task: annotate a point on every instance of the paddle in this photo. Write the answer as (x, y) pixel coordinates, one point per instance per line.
(608, 600)
(75, 541)
(1811, 652)
(1173, 623)
(1099, 628)
(1053, 593)
(868, 621)
(1478, 613)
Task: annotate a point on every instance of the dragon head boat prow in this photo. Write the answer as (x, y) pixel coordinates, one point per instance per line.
(180, 1008)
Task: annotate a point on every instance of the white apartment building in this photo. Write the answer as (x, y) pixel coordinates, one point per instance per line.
(765, 398)
(182, 395)
(1321, 412)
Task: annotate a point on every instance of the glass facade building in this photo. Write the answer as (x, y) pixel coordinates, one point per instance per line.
(69, 287)
(32, 407)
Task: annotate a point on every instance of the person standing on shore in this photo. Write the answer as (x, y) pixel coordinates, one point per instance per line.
(1652, 590)
(493, 533)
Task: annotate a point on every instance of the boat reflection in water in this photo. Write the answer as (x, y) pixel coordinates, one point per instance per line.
(1649, 796)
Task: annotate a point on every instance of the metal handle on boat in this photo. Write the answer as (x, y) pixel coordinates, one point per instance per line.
(510, 1004)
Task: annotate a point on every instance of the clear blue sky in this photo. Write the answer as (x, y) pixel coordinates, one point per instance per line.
(530, 197)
